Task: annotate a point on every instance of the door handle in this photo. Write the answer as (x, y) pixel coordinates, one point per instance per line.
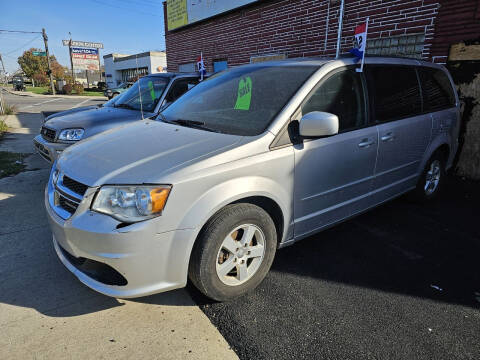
(388, 137)
(366, 143)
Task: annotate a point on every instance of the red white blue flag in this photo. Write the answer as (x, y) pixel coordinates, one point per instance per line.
(201, 67)
(359, 50)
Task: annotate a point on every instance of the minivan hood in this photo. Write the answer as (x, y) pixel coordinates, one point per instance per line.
(140, 152)
(89, 118)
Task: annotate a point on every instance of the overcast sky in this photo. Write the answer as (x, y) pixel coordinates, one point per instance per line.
(123, 26)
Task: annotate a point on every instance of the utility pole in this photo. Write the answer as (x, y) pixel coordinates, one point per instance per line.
(45, 40)
(71, 60)
(3, 66)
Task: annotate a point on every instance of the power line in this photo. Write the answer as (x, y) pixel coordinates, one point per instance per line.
(21, 47)
(21, 32)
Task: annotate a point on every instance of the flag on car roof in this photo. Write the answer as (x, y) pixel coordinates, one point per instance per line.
(359, 50)
(201, 67)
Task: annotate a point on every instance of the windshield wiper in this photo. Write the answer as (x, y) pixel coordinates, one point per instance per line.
(124, 106)
(190, 123)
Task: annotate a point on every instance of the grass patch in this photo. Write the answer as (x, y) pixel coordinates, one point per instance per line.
(42, 90)
(92, 93)
(11, 163)
(3, 127)
(8, 109)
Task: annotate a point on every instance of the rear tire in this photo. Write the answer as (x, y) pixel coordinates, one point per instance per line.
(234, 252)
(431, 181)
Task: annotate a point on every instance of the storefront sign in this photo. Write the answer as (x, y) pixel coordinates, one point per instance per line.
(85, 59)
(84, 44)
(185, 12)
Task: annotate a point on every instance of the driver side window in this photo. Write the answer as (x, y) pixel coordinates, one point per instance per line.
(340, 94)
(179, 88)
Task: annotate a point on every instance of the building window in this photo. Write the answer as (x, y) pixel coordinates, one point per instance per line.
(219, 65)
(405, 45)
(130, 75)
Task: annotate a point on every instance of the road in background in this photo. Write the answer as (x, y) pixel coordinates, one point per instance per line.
(37, 104)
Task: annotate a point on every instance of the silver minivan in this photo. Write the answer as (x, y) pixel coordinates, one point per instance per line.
(250, 160)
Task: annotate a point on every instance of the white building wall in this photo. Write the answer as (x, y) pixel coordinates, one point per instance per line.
(115, 64)
(156, 62)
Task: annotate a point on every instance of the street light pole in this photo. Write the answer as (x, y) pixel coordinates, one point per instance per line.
(45, 40)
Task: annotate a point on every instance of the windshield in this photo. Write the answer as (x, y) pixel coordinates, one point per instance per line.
(151, 89)
(240, 101)
(111, 102)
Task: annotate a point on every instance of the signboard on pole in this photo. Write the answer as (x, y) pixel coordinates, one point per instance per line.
(85, 59)
(84, 44)
(39, 53)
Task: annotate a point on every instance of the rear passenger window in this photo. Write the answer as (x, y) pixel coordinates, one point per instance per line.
(396, 93)
(341, 94)
(437, 90)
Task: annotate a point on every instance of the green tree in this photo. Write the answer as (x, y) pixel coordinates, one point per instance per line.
(36, 65)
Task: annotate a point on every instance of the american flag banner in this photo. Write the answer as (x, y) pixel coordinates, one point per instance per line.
(201, 67)
(361, 32)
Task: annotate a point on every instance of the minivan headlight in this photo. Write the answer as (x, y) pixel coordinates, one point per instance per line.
(131, 203)
(71, 134)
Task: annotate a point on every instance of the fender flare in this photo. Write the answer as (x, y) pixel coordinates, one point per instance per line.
(228, 192)
(439, 141)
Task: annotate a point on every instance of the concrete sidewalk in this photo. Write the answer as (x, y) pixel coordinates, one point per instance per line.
(26, 93)
(45, 312)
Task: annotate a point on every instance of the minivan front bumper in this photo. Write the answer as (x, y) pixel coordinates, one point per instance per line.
(127, 262)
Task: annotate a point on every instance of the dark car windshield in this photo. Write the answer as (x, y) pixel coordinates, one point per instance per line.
(240, 101)
(144, 94)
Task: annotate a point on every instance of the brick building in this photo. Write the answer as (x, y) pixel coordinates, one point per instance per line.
(231, 33)
(296, 28)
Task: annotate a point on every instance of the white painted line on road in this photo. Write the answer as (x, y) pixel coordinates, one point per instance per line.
(80, 103)
(44, 102)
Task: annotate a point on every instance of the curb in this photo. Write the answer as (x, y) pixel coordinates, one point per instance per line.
(26, 93)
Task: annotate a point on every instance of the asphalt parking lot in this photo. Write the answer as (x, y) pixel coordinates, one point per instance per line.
(399, 282)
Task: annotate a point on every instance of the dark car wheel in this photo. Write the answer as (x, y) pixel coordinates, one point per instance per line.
(234, 252)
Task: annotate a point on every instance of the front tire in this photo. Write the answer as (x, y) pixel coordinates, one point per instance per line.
(234, 252)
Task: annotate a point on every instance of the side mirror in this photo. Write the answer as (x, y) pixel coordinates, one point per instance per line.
(318, 124)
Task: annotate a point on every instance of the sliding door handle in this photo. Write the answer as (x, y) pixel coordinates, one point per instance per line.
(366, 143)
(388, 137)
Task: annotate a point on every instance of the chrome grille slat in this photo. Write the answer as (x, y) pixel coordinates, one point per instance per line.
(48, 134)
(74, 186)
(65, 198)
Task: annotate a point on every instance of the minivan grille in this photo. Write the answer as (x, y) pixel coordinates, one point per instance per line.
(48, 134)
(73, 185)
(67, 204)
(68, 195)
